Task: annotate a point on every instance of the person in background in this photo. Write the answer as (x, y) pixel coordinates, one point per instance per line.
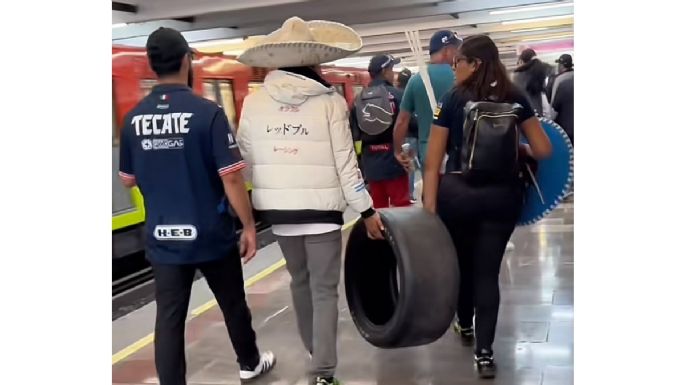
(387, 179)
(413, 131)
(480, 214)
(561, 98)
(442, 48)
(402, 79)
(295, 136)
(549, 84)
(530, 76)
(178, 148)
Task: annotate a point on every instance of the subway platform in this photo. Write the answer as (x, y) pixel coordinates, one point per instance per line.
(533, 346)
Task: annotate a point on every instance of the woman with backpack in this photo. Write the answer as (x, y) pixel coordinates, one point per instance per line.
(480, 196)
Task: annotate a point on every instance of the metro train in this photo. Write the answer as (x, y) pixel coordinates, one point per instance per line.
(219, 78)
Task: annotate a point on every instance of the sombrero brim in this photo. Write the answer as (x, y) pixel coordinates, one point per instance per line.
(293, 54)
(330, 41)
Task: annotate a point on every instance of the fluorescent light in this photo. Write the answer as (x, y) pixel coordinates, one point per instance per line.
(119, 25)
(533, 8)
(352, 64)
(353, 60)
(524, 21)
(209, 43)
(555, 37)
(236, 52)
(529, 30)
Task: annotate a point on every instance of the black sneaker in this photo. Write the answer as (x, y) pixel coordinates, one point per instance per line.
(267, 361)
(486, 364)
(466, 334)
(326, 381)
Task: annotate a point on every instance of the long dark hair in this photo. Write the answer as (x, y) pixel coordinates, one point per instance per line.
(307, 72)
(490, 80)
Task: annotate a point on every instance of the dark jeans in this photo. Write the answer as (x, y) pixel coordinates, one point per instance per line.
(480, 220)
(172, 289)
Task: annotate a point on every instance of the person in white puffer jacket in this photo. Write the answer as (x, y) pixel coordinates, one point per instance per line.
(295, 136)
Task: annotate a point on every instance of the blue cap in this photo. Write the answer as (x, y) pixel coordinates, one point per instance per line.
(442, 39)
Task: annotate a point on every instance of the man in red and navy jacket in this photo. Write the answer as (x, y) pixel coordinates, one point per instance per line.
(388, 180)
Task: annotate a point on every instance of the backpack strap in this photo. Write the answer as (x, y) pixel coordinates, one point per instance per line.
(415, 45)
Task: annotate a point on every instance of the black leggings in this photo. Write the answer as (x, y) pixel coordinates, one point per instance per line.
(480, 220)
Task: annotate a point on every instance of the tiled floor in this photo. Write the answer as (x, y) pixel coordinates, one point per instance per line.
(534, 343)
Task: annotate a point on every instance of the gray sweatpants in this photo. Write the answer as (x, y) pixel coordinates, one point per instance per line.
(314, 265)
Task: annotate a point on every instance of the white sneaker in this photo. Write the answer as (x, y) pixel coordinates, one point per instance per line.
(510, 246)
(266, 362)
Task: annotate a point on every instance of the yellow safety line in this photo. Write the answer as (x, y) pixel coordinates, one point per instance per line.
(350, 223)
(143, 342)
(134, 347)
(249, 282)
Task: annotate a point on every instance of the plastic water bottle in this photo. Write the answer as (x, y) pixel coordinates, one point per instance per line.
(407, 150)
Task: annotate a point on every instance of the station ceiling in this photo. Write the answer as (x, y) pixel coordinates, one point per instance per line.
(226, 26)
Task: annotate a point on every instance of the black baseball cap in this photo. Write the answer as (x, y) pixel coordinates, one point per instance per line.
(442, 39)
(166, 48)
(566, 60)
(380, 62)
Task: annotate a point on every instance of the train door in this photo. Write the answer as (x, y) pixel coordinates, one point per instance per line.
(357, 89)
(221, 92)
(127, 204)
(340, 88)
(121, 197)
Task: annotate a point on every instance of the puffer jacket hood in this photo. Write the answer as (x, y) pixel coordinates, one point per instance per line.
(290, 88)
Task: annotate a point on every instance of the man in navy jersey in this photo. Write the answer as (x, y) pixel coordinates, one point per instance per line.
(179, 150)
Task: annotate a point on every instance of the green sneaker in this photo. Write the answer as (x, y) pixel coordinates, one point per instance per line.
(326, 381)
(467, 334)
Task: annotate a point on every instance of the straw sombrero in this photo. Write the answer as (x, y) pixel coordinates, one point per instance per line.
(302, 43)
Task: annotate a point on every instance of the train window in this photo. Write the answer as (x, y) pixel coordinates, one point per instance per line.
(226, 91)
(340, 89)
(357, 89)
(146, 86)
(254, 86)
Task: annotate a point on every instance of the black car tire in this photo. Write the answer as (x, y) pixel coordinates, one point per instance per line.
(402, 291)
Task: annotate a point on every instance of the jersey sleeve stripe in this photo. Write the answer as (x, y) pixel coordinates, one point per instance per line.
(126, 176)
(232, 168)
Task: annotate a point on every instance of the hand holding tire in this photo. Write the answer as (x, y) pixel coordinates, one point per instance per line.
(374, 227)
